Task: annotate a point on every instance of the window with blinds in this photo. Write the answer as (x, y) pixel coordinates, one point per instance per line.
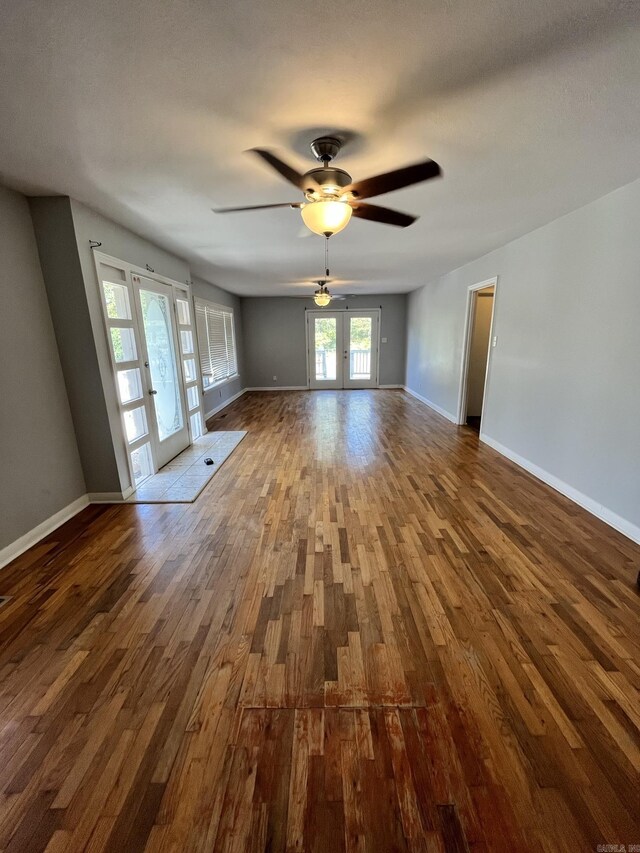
(216, 342)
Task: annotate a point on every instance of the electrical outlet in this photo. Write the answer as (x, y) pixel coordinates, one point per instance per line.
(275, 378)
(384, 340)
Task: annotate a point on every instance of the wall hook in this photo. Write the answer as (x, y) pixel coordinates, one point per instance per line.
(151, 269)
(93, 244)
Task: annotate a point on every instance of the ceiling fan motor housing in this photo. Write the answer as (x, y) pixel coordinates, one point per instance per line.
(329, 179)
(326, 148)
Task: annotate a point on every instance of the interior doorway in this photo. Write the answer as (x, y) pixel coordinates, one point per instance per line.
(478, 344)
(343, 349)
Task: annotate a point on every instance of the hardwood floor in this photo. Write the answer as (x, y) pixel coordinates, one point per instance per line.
(370, 633)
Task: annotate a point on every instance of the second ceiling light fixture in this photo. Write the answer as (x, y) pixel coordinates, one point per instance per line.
(332, 198)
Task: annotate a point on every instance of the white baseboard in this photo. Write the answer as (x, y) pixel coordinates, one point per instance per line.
(226, 403)
(431, 405)
(109, 497)
(28, 540)
(279, 388)
(622, 525)
(304, 388)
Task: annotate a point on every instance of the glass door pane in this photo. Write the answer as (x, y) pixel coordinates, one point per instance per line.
(325, 347)
(361, 349)
(170, 428)
(325, 333)
(162, 362)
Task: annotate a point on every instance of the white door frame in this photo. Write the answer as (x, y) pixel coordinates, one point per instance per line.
(342, 311)
(466, 347)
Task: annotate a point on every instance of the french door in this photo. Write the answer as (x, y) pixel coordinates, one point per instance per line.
(343, 349)
(163, 373)
(152, 345)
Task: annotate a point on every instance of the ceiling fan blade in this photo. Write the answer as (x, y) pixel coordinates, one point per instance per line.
(255, 207)
(375, 213)
(284, 169)
(395, 180)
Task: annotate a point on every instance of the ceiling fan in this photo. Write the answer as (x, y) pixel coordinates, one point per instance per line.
(331, 197)
(322, 297)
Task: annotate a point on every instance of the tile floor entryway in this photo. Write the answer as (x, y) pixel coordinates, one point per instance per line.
(182, 480)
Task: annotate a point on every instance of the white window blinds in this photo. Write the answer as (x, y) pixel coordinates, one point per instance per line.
(216, 342)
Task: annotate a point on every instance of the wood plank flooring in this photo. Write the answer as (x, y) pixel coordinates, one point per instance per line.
(370, 633)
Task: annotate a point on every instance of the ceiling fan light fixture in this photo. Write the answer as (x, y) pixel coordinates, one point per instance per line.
(322, 297)
(326, 217)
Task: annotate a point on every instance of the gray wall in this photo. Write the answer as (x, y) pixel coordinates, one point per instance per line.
(121, 243)
(215, 397)
(64, 280)
(564, 378)
(275, 338)
(41, 472)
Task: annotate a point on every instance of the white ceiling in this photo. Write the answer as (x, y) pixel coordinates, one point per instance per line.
(142, 110)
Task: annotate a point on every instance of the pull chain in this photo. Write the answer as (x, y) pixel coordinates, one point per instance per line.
(326, 256)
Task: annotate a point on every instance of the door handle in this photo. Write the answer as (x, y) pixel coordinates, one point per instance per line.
(151, 391)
